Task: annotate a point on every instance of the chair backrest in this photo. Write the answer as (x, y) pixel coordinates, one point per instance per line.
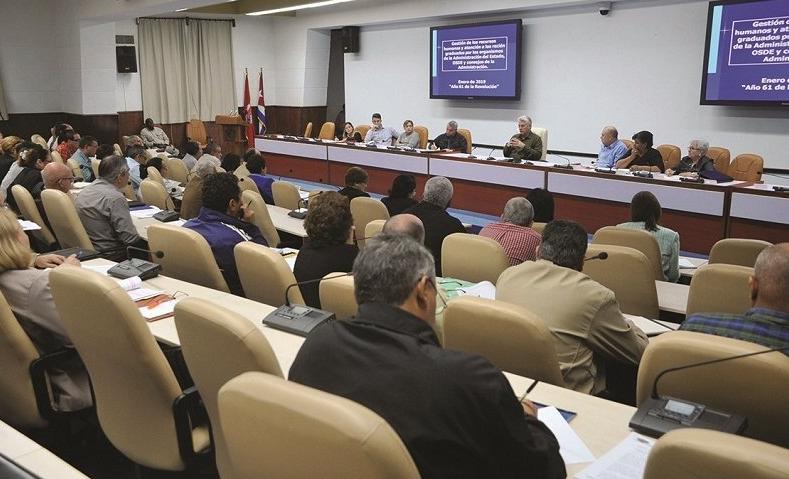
(694, 453)
(739, 251)
(635, 291)
(335, 437)
(94, 165)
(116, 148)
(422, 130)
(56, 157)
(746, 167)
(337, 295)
(472, 258)
(721, 157)
(27, 206)
(177, 170)
(467, 135)
(75, 169)
(327, 131)
(64, 220)
(262, 217)
(154, 194)
(628, 143)
(285, 194)
(128, 192)
(17, 402)
(364, 210)
(195, 130)
(39, 140)
(637, 239)
(241, 171)
(754, 387)
(133, 384)
(671, 155)
(187, 256)
(543, 134)
(155, 175)
(373, 228)
(538, 227)
(508, 335)
(362, 129)
(205, 329)
(246, 184)
(719, 288)
(265, 275)
(308, 130)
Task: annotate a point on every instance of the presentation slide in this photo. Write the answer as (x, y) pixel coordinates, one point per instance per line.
(476, 61)
(747, 50)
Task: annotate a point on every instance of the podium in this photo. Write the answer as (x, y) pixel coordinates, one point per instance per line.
(232, 134)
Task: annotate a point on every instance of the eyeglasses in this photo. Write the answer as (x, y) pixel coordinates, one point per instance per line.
(439, 296)
(694, 148)
(67, 178)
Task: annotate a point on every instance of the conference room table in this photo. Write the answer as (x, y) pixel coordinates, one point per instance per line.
(701, 213)
(32, 456)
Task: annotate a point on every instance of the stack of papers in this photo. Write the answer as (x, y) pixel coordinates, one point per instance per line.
(133, 286)
(484, 289)
(626, 460)
(685, 263)
(571, 447)
(147, 212)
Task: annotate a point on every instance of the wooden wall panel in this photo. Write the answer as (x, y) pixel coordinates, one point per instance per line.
(291, 120)
(24, 125)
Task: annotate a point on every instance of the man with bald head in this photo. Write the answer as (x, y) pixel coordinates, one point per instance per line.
(57, 176)
(612, 149)
(405, 224)
(767, 322)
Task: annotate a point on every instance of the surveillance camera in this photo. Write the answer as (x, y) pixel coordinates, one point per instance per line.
(604, 8)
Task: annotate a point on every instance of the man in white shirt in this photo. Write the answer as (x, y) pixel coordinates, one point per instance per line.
(380, 134)
(155, 137)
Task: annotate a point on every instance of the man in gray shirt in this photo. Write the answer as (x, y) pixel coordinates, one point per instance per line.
(104, 211)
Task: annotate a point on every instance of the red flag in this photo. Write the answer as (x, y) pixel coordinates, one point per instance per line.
(261, 109)
(248, 113)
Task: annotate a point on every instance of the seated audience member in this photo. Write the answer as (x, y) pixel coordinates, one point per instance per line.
(525, 145)
(514, 231)
(329, 227)
(380, 134)
(696, 161)
(134, 140)
(67, 145)
(57, 176)
(409, 137)
(24, 282)
(582, 315)
(14, 169)
(193, 193)
(230, 162)
(405, 224)
(32, 160)
(8, 153)
(57, 131)
(135, 160)
(104, 150)
(432, 211)
(104, 211)
(401, 196)
(256, 165)
(158, 163)
(455, 412)
(87, 148)
(642, 157)
(612, 149)
(644, 215)
(767, 322)
(349, 135)
(542, 202)
(154, 137)
(214, 149)
(192, 153)
(355, 183)
(451, 139)
(214, 161)
(224, 222)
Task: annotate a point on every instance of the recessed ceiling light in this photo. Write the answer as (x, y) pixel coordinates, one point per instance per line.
(182, 9)
(299, 7)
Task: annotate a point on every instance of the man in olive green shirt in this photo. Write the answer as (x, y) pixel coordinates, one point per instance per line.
(525, 146)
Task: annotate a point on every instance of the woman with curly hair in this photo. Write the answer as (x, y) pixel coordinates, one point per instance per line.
(328, 246)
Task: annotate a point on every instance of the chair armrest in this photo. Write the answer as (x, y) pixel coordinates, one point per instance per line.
(38, 376)
(185, 406)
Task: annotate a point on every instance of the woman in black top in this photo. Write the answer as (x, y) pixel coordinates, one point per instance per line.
(348, 134)
(8, 153)
(401, 196)
(33, 159)
(329, 226)
(642, 157)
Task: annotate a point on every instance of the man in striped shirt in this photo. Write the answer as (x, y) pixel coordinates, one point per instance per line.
(514, 231)
(767, 322)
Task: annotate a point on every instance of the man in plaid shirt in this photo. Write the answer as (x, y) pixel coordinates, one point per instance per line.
(767, 322)
(514, 231)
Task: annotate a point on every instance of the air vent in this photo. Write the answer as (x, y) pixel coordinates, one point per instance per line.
(124, 39)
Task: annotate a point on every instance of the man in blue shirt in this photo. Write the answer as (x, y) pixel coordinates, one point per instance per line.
(224, 222)
(612, 149)
(87, 149)
(380, 134)
(256, 165)
(135, 156)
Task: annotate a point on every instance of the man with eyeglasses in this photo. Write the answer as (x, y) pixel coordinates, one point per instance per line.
(455, 412)
(104, 211)
(57, 176)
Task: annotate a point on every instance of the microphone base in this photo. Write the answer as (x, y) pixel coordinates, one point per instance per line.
(81, 253)
(135, 267)
(297, 319)
(298, 214)
(657, 416)
(564, 167)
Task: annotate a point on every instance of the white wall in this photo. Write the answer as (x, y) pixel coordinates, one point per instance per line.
(253, 48)
(638, 68)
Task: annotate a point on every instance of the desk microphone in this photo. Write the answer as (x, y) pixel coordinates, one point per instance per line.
(137, 267)
(601, 256)
(299, 319)
(566, 167)
(781, 188)
(298, 213)
(658, 415)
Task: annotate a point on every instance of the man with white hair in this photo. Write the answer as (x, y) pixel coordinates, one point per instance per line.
(451, 139)
(525, 145)
(432, 211)
(514, 232)
(612, 149)
(696, 161)
(193, 193)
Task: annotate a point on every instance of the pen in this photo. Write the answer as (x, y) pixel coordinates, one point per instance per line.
(529, 389)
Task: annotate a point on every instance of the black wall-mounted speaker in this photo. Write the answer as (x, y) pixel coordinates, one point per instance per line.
(350, 39)
(126, 59)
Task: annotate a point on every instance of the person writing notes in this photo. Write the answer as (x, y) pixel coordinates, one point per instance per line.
(451, 139)
(642, 157)
(525, 145)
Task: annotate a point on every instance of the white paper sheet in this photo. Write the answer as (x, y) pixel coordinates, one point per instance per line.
(28, 225)
(484, 289)
(166, 307)
(101, 269)
(625, 461)
(571, 447)
(650, 328)
(686, 263)
(145, 212)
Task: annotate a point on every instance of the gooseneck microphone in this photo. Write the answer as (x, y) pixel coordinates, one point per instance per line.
(601, 256)
(158, 253)
(310, 281)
